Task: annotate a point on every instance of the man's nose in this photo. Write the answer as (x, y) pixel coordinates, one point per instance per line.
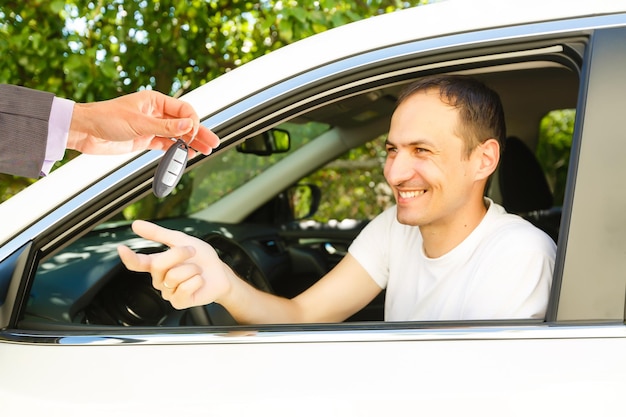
(399, 169)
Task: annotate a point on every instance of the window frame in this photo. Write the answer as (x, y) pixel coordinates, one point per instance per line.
(233, 129)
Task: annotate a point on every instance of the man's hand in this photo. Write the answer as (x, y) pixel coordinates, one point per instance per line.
(137, 121)
(188, 274)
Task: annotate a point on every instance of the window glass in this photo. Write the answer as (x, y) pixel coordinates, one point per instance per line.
(216, 178)
(354, 184)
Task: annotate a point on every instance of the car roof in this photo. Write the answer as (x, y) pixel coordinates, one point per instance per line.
(422, 22)
(430, 21)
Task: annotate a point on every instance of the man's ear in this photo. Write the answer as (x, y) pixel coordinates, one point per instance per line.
(488, 154)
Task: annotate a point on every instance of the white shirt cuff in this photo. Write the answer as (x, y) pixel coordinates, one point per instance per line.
(58, 131)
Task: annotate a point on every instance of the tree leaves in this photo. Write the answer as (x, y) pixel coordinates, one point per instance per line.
(126, 45)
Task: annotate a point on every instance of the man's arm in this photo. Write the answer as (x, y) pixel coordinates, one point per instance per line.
(133, 122)
(342, 292)
(24, 115)
(191, 274)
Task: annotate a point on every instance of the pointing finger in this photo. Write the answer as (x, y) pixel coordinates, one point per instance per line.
(160, 234)
(134, 261)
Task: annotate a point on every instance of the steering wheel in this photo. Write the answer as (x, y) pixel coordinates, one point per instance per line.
(242, 263)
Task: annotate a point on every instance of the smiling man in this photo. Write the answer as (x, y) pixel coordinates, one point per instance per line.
(443, 252)
(447, 252)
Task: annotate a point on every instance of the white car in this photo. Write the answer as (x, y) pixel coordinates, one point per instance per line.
(81, 335)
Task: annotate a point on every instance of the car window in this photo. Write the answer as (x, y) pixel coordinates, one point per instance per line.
(353, 189)
(354, 184)
(216, 178)
(85, 283)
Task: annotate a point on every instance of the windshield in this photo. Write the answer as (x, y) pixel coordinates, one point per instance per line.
(215, 178)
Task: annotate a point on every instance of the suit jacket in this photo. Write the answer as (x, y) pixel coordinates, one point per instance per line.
(24, 115)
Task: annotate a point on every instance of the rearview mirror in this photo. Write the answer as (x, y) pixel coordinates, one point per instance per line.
(267, 143)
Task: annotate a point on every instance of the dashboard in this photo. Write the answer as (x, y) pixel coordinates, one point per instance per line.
(86, 283)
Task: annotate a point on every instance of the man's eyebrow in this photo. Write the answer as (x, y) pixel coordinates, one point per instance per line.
(416, 142)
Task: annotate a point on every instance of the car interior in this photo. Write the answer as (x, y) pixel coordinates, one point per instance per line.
(273, 221)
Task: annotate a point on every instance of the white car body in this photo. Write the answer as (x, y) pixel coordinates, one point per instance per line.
(572, 364)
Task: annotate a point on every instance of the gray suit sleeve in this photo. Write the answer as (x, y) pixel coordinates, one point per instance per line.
(24, 115)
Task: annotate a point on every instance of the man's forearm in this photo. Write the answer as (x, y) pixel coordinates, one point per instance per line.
(249, 305)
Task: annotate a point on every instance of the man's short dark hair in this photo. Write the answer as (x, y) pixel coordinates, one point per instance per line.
(481, 115)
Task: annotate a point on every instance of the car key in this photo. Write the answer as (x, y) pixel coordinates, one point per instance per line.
(170, 169)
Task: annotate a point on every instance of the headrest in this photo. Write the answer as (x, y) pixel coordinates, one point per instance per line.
(523, 185)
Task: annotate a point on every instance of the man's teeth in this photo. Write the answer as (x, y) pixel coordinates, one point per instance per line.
(411, 194)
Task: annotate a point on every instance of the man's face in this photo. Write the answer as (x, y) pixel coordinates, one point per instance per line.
(427, 167)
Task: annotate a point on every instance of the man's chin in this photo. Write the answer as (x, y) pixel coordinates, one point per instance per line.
(412, 212)
(409, 220)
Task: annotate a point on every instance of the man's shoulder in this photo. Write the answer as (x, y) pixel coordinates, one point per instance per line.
(510, 228)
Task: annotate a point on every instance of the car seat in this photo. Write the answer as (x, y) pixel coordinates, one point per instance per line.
(524, 188)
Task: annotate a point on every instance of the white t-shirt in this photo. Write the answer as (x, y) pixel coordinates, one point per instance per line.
(502, 270)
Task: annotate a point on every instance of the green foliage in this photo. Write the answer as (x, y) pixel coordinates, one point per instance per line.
(553, 149)
(93, 50)
(89, 50)
(354, 186)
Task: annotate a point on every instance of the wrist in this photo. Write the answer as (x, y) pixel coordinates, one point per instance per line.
(231, 289)
(78, 131)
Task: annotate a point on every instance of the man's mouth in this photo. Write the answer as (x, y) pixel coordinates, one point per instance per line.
(410, 194)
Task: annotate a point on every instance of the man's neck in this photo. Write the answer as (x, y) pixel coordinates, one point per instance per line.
(442, 237)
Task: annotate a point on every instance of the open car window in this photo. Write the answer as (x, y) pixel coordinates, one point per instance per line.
(283, 220)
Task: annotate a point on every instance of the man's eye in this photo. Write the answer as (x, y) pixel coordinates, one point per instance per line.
(391, 149)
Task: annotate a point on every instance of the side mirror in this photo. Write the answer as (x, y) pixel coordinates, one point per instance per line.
(304, 200)
(267, 143)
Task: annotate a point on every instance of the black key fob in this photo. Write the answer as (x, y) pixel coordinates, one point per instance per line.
(170, 169)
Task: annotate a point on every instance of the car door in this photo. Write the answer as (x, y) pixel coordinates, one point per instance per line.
(570, 363)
